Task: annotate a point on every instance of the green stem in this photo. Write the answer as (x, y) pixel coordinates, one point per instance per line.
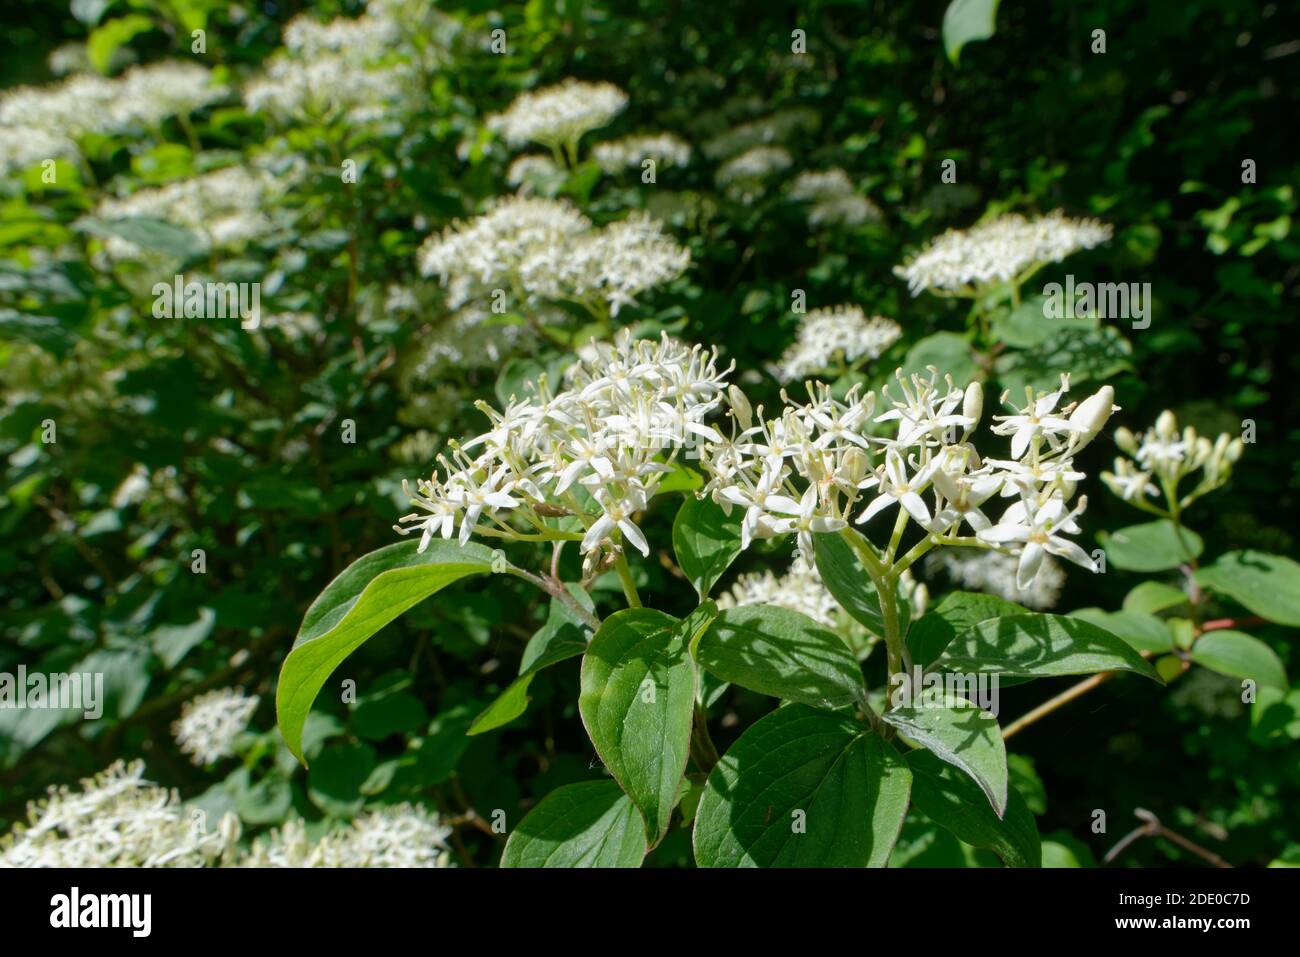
(629, 586)
(702, 748)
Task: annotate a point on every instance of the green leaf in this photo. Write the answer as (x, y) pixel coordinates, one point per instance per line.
(637, 702)
(171, 643)
(589, 824)
(803, 787)
(367, 595)
(1036, 646)
(953, 801)
(337, 775)
(1151, 546)
(1028, 325)
(151, 234)
(961, 733)
(1143, 632)
(782, 653)
(947, 351)
(105, 40)
(966, 21)
(1086, 353)
(846, 579)
(563, 636)
(1268, 585)
(1151, 597)
(957, 612)
(509, 705)
(706, 541)
(1238, 655)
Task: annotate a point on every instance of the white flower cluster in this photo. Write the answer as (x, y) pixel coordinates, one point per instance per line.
(38, 123)
(118, 819)
(225, 207)
(995, 574)
(399, 836)
(800, 589)
(1169, 455)
(612, 265)
(1005, 249)
(210, 723)
(816, 469)
(531, 170)
(836, 336)
(832, 199)
(558, 115)
(344, 69)
(765, 131)
(542, 249)
(467, 339)
(592, 454)
(69, 58)
(742, 176)
(631, 151)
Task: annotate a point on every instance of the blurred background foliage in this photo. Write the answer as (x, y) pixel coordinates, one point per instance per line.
(177, 435)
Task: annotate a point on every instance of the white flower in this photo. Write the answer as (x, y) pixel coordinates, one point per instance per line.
(531, 169)
(631, 151)
(742, 177)
(486, 253)
(1036, 421)
(548, 251)
(964, 262)
(559, 115)
(399, 836)
(776, 128)
(995, 573)
(210, 723)
(812, 468)
(118, 819)
(614, 264)
(627, 411)
(799, 589)
(224, 207)
(838, 335)
(1036, 530)
(344, 69)
(896, 486)
(1169, 455)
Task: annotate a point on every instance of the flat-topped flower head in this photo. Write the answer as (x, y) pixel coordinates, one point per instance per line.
(632, 151)
(116, 819)
(1165, 455)
(840, 336)
(558, 115)
(743, 176)
(820, 466)
(592, 454)
(210, 723)
(967, 261)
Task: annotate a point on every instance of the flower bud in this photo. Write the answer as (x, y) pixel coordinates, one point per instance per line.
(1166, 425)
(1234, 450)
(229, 828)
(1092, 414)
(740, 406)
(855, 465)
(1126, 440)
(972, 405)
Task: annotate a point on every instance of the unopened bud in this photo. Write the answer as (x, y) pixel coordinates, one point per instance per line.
(1166, 425)
(972, 405)
(855, 465)
(1126, 440)
(1092, 414)
(740, 407)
